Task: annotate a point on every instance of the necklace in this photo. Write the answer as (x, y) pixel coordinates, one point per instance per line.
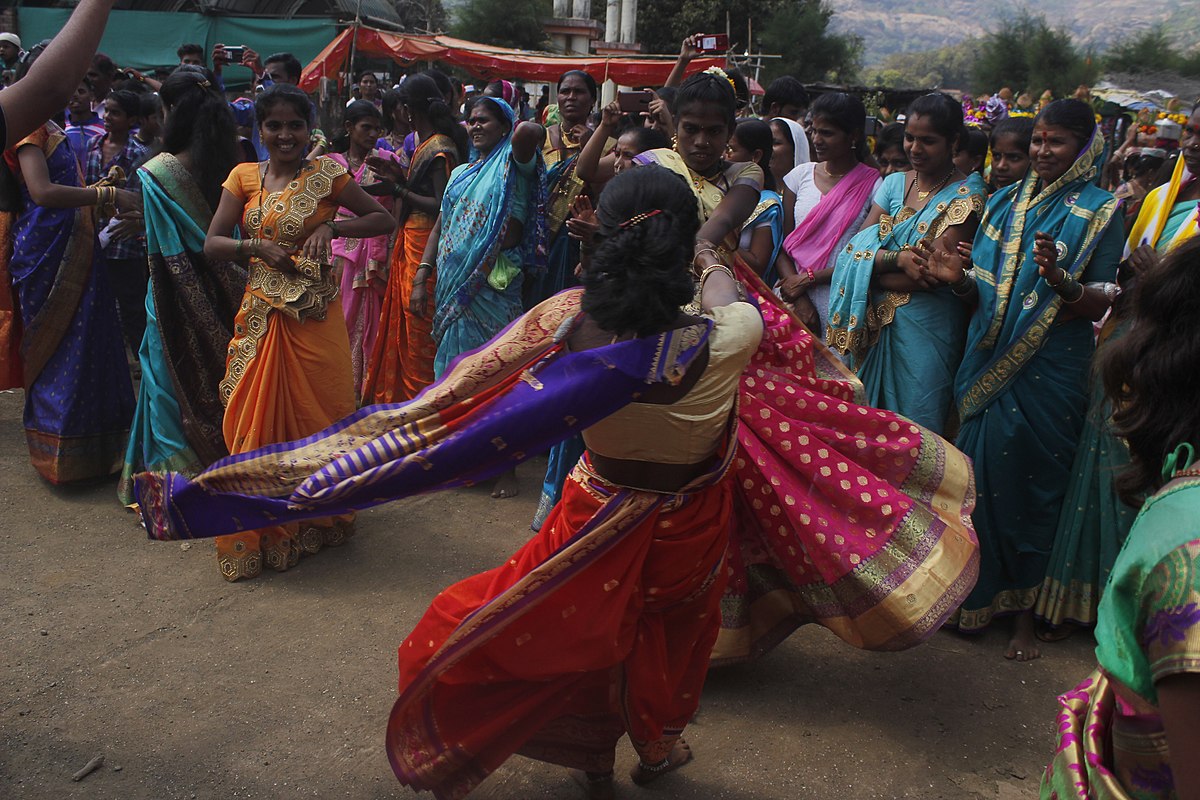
(262, 190)
(921, 195)
(830, 175)
(698, 180)
(353, 164)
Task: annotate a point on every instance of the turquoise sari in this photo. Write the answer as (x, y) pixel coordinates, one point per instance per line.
(189, 322)
(905, 346)
(1022, 386)
(769, 211)
(479, 284)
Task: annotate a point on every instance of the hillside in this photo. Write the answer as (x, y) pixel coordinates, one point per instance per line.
(937, 23)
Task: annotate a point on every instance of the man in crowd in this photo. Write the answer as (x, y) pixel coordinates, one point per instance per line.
(83, 123)
(10, 51)
(191, 54)
(278, 68)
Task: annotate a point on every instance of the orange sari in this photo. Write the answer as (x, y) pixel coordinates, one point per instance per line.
(288, 374)
(401, 363)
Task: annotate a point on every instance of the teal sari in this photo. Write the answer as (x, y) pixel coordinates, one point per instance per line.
(177, 425)
(1022, 386)
(905, 346)
(769, 212)
(479, 284)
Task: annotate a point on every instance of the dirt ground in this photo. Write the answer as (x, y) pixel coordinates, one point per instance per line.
(191, 687)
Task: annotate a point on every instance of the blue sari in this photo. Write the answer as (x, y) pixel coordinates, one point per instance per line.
(769, 211)
(562, 187)
(78, 395)
(905, 346)
(189, 323)
(1022, 386)
(479, 285)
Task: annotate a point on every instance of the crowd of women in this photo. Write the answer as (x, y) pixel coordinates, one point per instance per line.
(784, 374)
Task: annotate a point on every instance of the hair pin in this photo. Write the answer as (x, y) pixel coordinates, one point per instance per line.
(637, 219)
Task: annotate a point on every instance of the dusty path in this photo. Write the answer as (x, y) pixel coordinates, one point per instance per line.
(195, 688)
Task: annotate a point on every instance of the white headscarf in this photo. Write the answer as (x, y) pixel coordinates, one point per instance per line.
(799, 140)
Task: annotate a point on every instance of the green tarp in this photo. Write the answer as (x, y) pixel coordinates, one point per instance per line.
(147, 39)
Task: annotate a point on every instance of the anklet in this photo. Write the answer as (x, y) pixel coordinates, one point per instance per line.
(659, 767)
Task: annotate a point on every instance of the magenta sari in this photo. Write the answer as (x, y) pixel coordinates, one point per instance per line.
(813, 241)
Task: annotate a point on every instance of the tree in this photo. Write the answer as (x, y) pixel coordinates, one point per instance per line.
(799, 30)
(504, 23)
(1148, 51)
(1027, 54)
(423, 16)
(946, 67)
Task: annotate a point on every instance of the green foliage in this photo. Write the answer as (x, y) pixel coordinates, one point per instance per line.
(799, 30)
(947, 67)
(505, 23)
(1151, 51)
(424, 16)
(1025, 53)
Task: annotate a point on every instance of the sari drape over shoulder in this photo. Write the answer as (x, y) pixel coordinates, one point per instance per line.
(190, 309)
(78, 396)
(401, 363)
(905, 346)
(1022, 386)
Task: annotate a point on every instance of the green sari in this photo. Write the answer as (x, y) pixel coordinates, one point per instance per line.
(1022, 386)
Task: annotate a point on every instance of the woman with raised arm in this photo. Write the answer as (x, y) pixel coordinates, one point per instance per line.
(288, 372)
(192, 300)
(901, 332)
(401, 363)
(1046, 251)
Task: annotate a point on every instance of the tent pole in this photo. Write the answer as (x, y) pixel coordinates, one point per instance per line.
(354, 39)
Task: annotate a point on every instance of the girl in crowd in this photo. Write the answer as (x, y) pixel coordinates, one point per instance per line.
(901, 332)
(762, 232)
(1010, 151)
(491, 231)
(395, 126)
(564, 142)
(78, 395)
(288, 373)
(402, 361)
(889, 150)
(368, 89)
(785, 154)
(972, 157)
(361, 263)
(1044, 251)
(1129, 730)
(825, 203)
(192, 301)
(1094, 520)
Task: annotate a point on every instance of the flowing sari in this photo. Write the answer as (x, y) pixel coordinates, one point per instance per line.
(1112, 744)
(562, 187)
(905, 346)
(288, 371)
(1022, 386)
(402, 361)
(478, 283)
(363, 267)
(189, 321)
(1094, 521)
(78, 395)
(846, 516)
(768, 213)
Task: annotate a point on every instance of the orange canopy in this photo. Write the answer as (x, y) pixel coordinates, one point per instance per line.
(489, 62)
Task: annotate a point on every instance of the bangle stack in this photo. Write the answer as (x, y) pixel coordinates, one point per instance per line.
(890, 260)
(964, 285)
(426, 267)
(1069, 289)
(333, 226)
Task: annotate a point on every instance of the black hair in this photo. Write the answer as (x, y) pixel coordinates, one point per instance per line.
(944, 114)
(129, 102)
(443, 84)
(361, 109)
(1075, 116)
(25, 62)
(1150, 372)
(755, 134)
(975, 144)
(391, 101)
(1020, 127)
(492, 104)
(149, 105)
(363, 73)
(421, 95)
(783, 91)
(283, 93)
(588, 81)
(670, 96)
(190, 49)
(199, 122)
(291, 65)
(741, 89)
(848, 114)
(705, 87)
(891, 136)
(647, 138)
(639, 275)
(104, 65)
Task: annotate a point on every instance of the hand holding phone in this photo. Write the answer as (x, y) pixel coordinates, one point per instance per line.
(713, 43)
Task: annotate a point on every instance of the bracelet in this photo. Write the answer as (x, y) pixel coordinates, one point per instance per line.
(964, 285)
(333, 226)
(697, 254)
(1063, 281)
(1076, 298)
(812, 275)
(716, 268)
(237, 249)
(99, 197)
(890, 259)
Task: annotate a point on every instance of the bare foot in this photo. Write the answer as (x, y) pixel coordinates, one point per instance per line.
(1058, 633)
(642, 774)
(1024, 644)
(597, 785)
(506, 485)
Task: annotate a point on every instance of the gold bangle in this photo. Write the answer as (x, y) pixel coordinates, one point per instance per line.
(716, 268)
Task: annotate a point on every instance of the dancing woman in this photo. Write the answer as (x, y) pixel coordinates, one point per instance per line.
(903, 334)
(401, 363)
(288, 372)
(192, 300)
